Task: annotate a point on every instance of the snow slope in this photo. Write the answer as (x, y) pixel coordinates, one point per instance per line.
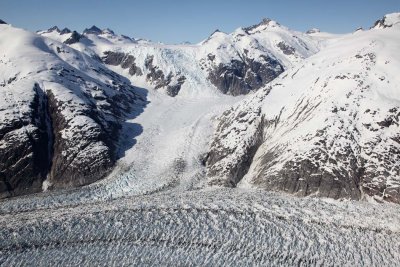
(60, 114)
(329, 127)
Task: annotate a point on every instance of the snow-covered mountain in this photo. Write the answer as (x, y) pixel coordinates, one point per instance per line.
(327, 128)
(389, 20)
(60, 114)
(63, 108)
(321, 119)
(234, 64)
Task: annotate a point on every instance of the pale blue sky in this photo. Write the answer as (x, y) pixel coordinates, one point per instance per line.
(178, 21)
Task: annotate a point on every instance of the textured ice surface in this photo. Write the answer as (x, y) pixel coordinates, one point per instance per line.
(228, 227)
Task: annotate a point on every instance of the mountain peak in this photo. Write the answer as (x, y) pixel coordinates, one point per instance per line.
(65, 31)
(214, 32)
(387, 21)
(74, 38)
(264, 22)
(54, 28)
(92, 30)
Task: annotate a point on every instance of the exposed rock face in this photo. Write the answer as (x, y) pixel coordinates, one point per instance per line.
(24, 146)
(84, 147)
(174, 89)
(74, 38)
(286, 49)
(223, 172)
(47, 144)
(329, 128)
(92, 30)
(241, 77)
(2, 22)
(54, 29)
(65, 31)
(125, 60)
(159, 79)
(236, 78)
(85, 153)
(387, 21)
(60, 122)
(154, 75)
(265, 21)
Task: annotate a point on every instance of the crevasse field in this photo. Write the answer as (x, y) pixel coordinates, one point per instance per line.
(225, 227)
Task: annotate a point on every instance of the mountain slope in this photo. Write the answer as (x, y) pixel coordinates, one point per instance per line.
(234, 64)
(61, 113)
(328, 128)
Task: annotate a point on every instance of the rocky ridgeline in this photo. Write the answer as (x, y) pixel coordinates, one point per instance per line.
(235, 64)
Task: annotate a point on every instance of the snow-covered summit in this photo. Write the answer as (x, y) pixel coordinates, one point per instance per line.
(388, 21)
(92, 30)
(265, 23)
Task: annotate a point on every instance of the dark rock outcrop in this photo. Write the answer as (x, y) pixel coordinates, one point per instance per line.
(25, 148)
(92, 30)
(2, 22)
(86, 152)
(265, 21)
(65, 31)
(241, 77)
(386, 22)
(54, 29)
(306, 176)
(67, 141)
(286, 49)
(74, 38)
(242, 165)
(126, 61)
(174, 89)
(154, 75)
(159, 79)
